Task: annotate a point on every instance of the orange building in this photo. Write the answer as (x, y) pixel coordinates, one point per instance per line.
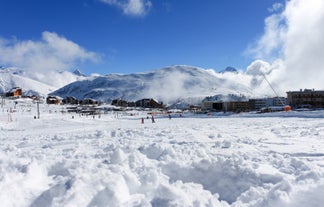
(14, 92)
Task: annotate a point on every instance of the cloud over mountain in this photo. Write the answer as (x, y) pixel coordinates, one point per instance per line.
(168, 84)
(293, 45)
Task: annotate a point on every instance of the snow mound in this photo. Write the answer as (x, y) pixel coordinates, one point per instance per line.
(233, 160)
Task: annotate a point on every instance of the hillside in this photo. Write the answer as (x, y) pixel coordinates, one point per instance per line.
(10, 78)
(167, 84)
(35, 83)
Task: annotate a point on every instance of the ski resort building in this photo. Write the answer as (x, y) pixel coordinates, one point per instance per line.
(70, 100)
(144, 103)
(14, 92)
(307, 98)
(212, 105)
(53, 100)
(225, 103)
(148, 103)
(88, 101)
(241, 104)
(122, 103)
(259, 103)
(235, 106)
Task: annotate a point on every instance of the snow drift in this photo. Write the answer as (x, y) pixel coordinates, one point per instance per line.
(218, 160)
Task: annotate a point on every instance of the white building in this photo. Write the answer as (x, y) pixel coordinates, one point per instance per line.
(257, 104)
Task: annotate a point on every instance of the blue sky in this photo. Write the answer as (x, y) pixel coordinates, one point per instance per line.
(136, 35)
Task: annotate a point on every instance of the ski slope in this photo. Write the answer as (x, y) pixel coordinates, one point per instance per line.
(194, 160)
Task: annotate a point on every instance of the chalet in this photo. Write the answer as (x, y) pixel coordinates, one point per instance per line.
(148, 103)
(14, 92)
(53, 100)
(308, 98)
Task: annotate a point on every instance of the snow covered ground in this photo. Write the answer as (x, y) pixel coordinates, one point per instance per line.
(115, 160)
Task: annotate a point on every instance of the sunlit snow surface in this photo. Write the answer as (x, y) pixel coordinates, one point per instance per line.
(194, 160)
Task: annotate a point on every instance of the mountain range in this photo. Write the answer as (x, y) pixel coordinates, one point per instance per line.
(169, 84)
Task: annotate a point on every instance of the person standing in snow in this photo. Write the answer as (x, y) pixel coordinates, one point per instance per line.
(153, 121)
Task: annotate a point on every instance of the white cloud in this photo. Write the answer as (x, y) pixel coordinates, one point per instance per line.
(43, 60)
(51, 53)
(260, 71)
(276, 7)
(269, 45)
(258, 68)
(294, 37)
(131, 7)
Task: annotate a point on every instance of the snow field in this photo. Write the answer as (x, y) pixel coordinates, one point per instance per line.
(234, 160)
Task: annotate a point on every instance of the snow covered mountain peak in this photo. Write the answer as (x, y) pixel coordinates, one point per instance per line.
(168, 84)
(78, 73)
(229, 69)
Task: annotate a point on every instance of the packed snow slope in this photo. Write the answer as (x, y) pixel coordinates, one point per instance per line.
(33, 83)
(219, 160)
(167, 84)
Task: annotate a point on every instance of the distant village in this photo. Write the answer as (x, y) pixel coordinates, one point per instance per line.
(307, 99)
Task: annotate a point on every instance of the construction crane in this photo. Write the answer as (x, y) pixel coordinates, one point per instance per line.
(285, 107)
